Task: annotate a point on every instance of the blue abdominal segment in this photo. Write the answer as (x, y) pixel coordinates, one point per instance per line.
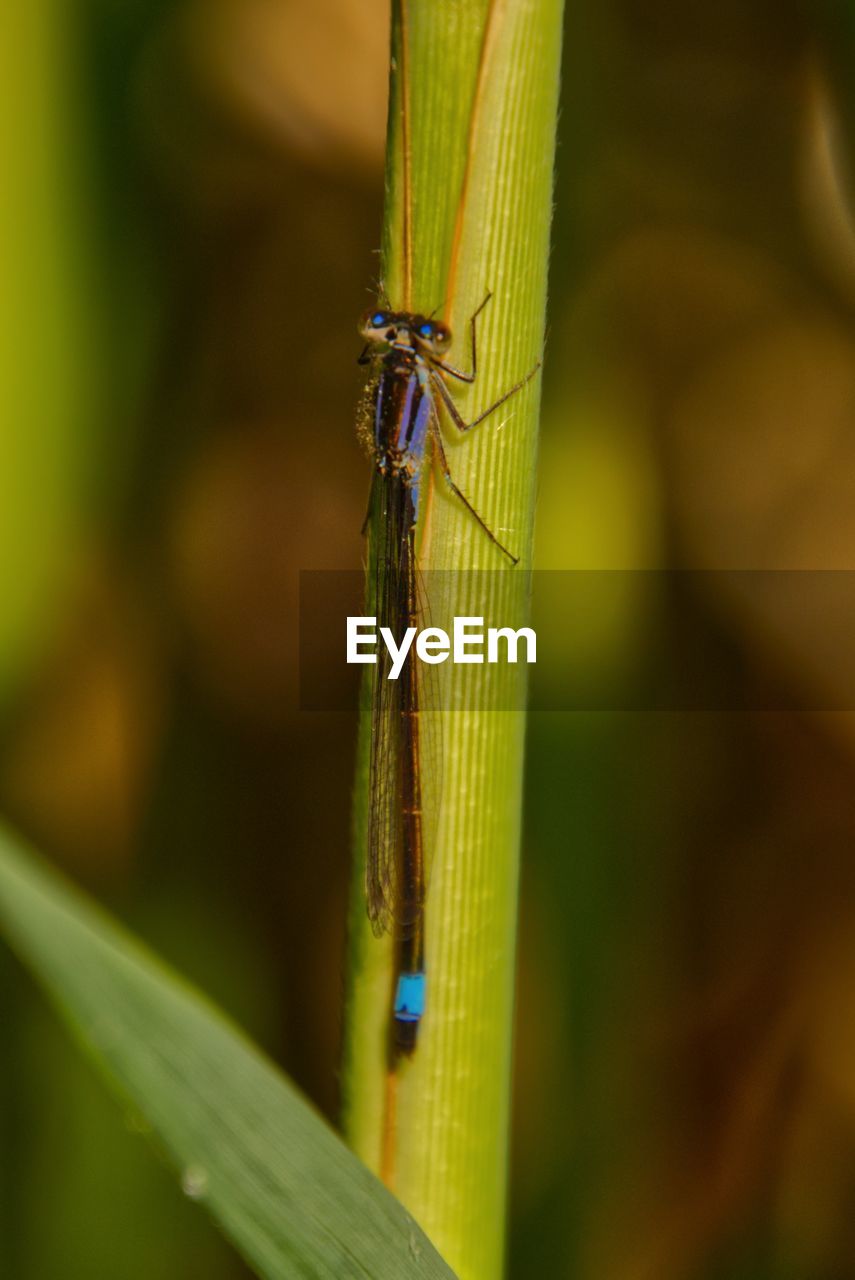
(410, 997)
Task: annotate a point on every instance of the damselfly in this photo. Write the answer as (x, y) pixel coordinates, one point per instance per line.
(403, 432)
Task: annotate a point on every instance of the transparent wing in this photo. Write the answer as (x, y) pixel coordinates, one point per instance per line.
(392, 572)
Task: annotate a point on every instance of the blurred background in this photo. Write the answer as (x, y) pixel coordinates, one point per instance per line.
(190, 211)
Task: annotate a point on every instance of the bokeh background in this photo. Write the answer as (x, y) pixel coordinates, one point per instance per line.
(191, 204)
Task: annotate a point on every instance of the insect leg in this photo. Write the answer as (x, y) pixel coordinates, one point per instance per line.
(454, 412)
(459, 373)
(436, 437)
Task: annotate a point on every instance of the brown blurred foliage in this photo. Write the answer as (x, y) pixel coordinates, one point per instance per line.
(259, 134)
(713, 312)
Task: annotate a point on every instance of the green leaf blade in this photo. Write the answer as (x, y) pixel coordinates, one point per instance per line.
(282, 1186)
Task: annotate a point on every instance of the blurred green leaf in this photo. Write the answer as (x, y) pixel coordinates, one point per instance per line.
(282, 1186)
(48, 361)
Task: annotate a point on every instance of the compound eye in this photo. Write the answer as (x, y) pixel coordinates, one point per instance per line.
(426, 330)
(378, 319)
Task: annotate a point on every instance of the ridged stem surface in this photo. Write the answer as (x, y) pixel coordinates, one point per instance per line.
(469, 196)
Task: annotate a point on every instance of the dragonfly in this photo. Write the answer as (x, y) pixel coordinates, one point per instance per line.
(403, 434)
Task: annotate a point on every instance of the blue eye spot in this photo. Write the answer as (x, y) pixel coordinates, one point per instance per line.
(378, 319)
(426, 330)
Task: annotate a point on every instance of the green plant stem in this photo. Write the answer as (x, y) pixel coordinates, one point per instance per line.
(481, 92)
